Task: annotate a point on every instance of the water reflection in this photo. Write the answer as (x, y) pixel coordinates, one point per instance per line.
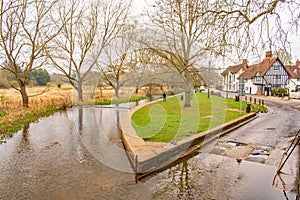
(99, 132)
(78, 154)
(218, 177)
(184, 181)
(80, 119)
(24, 145)
(25, 134)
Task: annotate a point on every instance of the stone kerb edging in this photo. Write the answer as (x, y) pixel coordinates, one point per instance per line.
(144, 159)
(137, 149)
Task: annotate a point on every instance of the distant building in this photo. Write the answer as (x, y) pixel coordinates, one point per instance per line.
(230, 76)
(294, 71)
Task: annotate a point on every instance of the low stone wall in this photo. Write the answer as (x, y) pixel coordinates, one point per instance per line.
(144, 159)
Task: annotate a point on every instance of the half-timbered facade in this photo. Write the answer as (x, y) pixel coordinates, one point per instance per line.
(262, 77)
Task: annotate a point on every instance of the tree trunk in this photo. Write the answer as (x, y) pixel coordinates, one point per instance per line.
(187, 92)
(117, 91)
(25, 99)
(137, 87)
(80, 91)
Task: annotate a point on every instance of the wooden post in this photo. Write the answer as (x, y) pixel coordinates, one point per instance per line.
(135, 168)
(136, 163)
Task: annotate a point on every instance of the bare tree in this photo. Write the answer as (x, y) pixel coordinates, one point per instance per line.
(90, 29)
(253, 26)
(185, 36)
(25, 30)
(117, 57)
(284, 56)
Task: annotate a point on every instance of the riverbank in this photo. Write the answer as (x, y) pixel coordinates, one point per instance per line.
(14, 116)
(46, 101)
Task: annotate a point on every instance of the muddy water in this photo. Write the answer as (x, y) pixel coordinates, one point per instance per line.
(78, 154)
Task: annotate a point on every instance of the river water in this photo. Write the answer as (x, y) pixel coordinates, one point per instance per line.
(78, 154)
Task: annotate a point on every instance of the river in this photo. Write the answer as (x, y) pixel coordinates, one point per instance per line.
(78, 154)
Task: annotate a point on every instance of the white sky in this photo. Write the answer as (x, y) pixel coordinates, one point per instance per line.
(140, 5)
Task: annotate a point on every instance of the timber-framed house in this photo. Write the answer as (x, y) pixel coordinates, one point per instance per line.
(262, 77)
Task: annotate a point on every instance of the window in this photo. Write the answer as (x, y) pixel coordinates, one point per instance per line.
(276, 65)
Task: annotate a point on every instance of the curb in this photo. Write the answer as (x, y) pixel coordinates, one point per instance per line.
(145, 160)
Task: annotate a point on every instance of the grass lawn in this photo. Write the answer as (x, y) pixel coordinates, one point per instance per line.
(169, 121)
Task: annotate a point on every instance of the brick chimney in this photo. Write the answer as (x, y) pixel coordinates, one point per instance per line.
(268, 54)
(245, 64)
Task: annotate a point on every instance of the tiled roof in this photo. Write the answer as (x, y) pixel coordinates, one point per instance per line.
(232, 69)
(260, 68)
(293, 70)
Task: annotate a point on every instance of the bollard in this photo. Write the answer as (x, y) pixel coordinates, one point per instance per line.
(259, 102)
(254, 100)
(250, 99)
(263, 102)
(246, 98)
(248, 108)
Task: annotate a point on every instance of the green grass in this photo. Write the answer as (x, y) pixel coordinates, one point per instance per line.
(169, 121)
(119, 100)
(9, 127)
(2, 113)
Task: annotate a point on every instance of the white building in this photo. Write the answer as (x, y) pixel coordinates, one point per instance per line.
(294, 71)
(230, 76)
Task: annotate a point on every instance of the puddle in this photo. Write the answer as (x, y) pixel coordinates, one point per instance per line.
(257, 158)
(218, 177)
(233, 143)
(270, 129)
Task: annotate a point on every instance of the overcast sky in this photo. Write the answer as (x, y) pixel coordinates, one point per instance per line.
(140, 5)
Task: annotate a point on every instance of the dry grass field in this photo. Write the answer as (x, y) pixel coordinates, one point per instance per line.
(12, 111)
(11, 101)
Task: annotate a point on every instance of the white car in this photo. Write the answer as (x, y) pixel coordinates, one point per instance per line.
(202, 88)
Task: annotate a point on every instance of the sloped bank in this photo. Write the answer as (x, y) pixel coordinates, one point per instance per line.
(147, 157)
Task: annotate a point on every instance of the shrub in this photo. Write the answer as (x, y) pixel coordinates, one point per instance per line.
(281, 92)
(274, 91)
(2, 113)
(41, 76)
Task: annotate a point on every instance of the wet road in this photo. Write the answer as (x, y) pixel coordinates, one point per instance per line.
(78, 154)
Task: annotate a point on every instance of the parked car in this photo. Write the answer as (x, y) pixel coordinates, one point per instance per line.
(202, 88)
